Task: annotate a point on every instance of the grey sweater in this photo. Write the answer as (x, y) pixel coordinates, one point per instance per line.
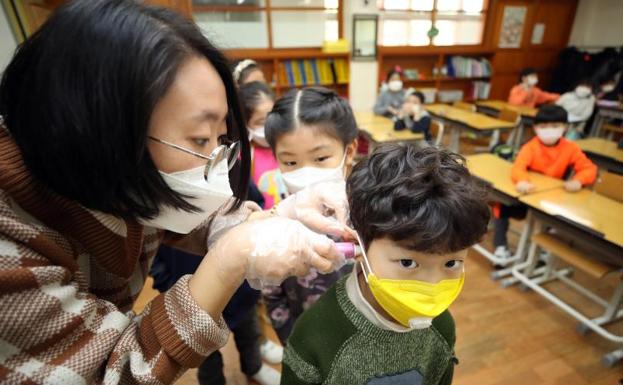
(388, 98)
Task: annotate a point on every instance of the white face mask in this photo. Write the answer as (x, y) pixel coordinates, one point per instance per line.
(416, 109)
(306, 176)
(608, 88)
(258, 135)
(532, 80)
(582, 91)
(395, 85)
(208, 196)
(550, 135)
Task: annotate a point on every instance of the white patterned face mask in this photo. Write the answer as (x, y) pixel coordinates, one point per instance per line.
(207, 196)
(306, 176)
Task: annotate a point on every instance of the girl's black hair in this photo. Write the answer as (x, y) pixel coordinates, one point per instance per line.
(250, 96)
(391, 73)
(316, 106)
(79, 94)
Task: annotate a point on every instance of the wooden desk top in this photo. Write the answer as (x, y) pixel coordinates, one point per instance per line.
(501, 105)
(381, 129)
(497, 172)
(602, 147)
(473, 120)
(584, 207)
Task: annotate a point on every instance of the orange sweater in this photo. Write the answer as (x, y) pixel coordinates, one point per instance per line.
(519, 96)
(553, 161)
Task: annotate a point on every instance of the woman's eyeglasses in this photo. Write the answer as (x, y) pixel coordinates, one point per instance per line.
(229, 151)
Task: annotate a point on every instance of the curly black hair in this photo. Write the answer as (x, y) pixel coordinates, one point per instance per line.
(425, 199)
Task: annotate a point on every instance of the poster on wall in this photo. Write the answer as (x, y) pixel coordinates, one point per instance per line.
(513, 21)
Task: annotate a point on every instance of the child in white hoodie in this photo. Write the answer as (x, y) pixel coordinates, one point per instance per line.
(579, 103)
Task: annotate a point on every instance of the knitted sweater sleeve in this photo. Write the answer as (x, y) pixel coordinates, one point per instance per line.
(298, 371)
(53, 329)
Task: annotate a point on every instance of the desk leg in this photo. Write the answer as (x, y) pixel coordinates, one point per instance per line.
(597, 123)
(455, 138)
(519, 256)
(518, 139)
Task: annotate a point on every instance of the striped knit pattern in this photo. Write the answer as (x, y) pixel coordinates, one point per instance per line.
(68, 279)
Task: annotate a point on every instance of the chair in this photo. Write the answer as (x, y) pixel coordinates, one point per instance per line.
(609, 184)
(512, 117)
(436, 131)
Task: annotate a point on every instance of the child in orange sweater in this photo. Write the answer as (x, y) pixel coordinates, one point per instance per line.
(527, 94)
(548, 153)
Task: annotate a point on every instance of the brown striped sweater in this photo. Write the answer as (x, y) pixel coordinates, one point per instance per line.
(68, 278)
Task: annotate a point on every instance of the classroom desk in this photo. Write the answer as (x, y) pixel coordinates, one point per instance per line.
(527, 114)
(496, 172)
(493, 107)
(605, 111)
(460, 119)
(586, 213)
(380, 129)
(603, 152)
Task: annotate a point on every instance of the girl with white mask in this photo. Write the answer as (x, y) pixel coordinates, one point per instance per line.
(578, 102)
(392, 95)
(257, 100)
(313, 134)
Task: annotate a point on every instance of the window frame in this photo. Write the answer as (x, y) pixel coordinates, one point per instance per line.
(410, 14)
(268, 10)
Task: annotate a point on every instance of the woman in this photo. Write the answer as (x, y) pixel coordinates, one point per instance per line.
(120, 123)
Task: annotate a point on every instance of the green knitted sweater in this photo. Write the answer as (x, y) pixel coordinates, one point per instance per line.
(334, 344)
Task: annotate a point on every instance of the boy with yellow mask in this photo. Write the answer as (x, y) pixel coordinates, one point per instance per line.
(416, 211)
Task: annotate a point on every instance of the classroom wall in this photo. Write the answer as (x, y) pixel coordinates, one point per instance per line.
(598, 23)
(7, 41)
(363, 74)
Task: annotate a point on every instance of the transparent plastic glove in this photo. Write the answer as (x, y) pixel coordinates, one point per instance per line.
(524, 186)
(322, 207)
(223, 221)
(573, 185)
(271, 250)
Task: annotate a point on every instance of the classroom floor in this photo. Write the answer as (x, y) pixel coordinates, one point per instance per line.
(504, 336)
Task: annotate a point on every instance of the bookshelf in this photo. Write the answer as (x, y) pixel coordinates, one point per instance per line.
(278, 64)
(428, 61)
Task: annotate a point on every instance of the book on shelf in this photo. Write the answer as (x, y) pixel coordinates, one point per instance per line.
(468, 67)
(310, 72)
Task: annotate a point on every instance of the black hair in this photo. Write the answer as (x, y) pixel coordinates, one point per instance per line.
(312, 106)
(391, 73)
(79, 94)
(418, 95)
(525, 72)
(425, 199)
(550, 113)
(250, 96)
(242, 69)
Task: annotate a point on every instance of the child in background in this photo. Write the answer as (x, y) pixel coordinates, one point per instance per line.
(548, 153)
(247, 71)
(416, 213)
(413, 116)
(257, 100)
(313, 135)
(527, 94)
(578, 103)
(392, 95)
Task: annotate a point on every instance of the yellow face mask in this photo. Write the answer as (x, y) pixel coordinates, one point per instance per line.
(409, 300)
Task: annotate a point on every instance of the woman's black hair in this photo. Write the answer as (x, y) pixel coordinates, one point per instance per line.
(551, 113)
(316, 106)
(79, 94)
(525, 72)
(250, 96)
(425, 199)
(391, 73)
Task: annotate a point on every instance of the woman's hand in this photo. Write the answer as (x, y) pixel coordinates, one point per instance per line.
(265, 252)
(322, 207)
